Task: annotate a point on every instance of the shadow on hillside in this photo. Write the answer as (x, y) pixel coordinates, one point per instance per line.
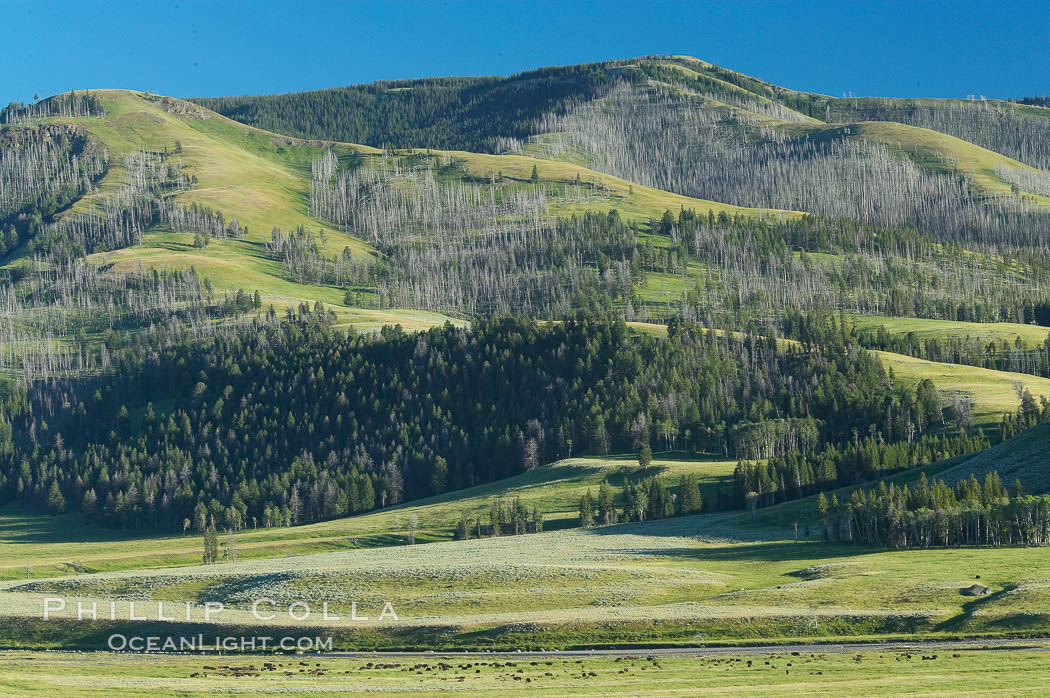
(802, 553)
(973, 608)
(22, 527)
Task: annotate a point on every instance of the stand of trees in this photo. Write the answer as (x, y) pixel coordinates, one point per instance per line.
(764, 267)
(449, 113)
(938, 514)
(69, 104)
(294, 421)
(462, 246)
(43, 170)
(970, 350)
(795, 475)
(1037, 101)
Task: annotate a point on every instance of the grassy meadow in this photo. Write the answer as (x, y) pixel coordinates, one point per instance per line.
(993, 392)
(890, 672)
(923, 328)
(685, 581)
(719, 578)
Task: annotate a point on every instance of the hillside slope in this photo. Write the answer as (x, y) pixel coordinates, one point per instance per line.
(51, 543)
(999, 145)
(993, 392)
(263, 180)
(1024, 458)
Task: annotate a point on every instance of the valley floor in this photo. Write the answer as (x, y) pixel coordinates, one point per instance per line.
(867, 671)
(676, 582)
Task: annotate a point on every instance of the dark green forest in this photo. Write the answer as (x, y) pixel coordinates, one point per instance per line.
(289, 421)
(448, 113)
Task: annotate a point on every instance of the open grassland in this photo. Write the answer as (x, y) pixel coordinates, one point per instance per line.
(867, 672)
(50, 544)
(670, 582)
(1031, 335)
(710, 578)
(993, 392)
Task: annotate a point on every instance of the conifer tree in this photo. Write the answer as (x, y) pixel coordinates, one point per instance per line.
(462, 528)
(689, 501)
(586, 510)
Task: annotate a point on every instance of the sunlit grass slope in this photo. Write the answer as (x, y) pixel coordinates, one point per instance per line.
(923, 328)
(49, 543)
(993, 392)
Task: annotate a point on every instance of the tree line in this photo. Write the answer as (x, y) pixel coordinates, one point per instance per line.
(937, 514)
(794, 475)
(69, 105)
(971, 350)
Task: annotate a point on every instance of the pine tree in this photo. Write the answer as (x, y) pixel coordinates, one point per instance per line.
(689, 501)
(586, 510)
(90, 502)
(822, 513)
(521, 516)
(535, 177)
(645, 456)
(462, 528)
(56, 503)
(495, 518)
(537, 519)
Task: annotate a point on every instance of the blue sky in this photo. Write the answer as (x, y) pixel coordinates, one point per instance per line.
(187, 48)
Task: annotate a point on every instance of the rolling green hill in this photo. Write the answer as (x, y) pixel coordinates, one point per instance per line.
(475, 114)
(993, 392)
(50, 544)
(926, 328)
(263, 180)
(946, 153)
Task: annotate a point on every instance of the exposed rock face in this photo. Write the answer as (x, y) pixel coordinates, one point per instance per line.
(975, 590)
(187, 110)
(47, 132)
